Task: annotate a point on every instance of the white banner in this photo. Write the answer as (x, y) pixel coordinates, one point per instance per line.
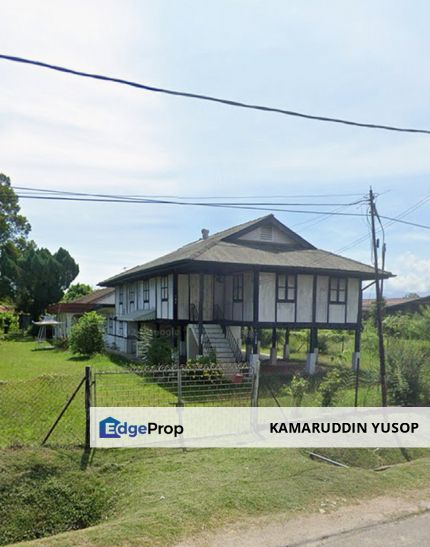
(231, 427)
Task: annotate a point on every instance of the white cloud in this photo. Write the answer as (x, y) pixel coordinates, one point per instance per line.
(413, 275)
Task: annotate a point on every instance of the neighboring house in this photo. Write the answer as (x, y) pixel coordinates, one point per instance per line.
(407, 304)
(259, 274)
(67, 313)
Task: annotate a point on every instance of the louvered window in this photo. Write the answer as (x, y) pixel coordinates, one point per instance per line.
(266, 233)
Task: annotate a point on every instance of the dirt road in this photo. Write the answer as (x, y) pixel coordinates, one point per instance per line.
(382, 521)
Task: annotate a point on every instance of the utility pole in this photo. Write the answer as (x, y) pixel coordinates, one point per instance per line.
(379, 302)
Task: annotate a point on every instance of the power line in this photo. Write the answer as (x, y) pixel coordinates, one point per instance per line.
(209, 98)
(406, 222)
(254, 207)
(400, 216)
(159, 196)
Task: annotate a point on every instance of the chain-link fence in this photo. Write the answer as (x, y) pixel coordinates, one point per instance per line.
(29, 408)
(198, 386)
(54, 409)
(347, 388)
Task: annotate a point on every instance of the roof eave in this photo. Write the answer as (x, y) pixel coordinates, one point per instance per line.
(165, 268)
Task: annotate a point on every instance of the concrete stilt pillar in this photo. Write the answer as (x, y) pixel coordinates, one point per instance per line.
(182, 346)
(312, 356)
(286, 350)
(357, 349)
(273, 349)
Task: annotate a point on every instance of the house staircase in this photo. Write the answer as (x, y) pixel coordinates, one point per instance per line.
(221, 341)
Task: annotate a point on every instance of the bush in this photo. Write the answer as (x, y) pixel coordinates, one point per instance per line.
(9, 322)
(203, 368)
(155, 351)
(297, 389)
(405, 367)
(330, 386)
(87, 334)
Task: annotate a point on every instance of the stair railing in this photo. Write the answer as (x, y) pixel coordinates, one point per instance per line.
(237, 352)
(207, 346)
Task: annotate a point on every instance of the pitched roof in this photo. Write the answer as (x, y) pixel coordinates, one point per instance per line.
(226, 247)
(92, 297)
(84, 303)
(399, 303)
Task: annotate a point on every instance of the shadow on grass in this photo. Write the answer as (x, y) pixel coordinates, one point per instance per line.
(46, 348)
(87, 458)
(80, 358)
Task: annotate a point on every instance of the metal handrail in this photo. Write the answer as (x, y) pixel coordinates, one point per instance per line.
(207, 343)
(237, 352)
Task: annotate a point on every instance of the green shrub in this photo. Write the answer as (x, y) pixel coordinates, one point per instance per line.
(202, 368)
(405, 366)
(87, 334)
(9, 322)
(155, 351)
(330, 386)
(297, 389)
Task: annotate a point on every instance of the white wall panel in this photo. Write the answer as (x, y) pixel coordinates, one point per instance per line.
(337, 313)
(183, 296)
(304, 298)
(267, 296)
(353, 300)
(248, 296)
(285, 312)
(322, 299)
(208, 295)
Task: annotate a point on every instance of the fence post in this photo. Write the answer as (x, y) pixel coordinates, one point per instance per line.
(87, 405)
(180, 401)
(255, 364)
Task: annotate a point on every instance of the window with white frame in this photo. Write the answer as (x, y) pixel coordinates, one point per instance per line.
(337, 290)
(286, 287)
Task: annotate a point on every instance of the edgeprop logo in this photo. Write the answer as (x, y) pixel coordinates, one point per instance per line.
(111, 428)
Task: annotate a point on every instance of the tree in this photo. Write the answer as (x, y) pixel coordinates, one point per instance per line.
(42, 278)
(76, 290)
(87, 334)
(14, 229)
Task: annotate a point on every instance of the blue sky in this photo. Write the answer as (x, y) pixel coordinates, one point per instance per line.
(361, 60)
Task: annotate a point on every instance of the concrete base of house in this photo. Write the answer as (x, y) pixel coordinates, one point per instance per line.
(273, 356)
(286, 352)
(355, 360)
(311, 362)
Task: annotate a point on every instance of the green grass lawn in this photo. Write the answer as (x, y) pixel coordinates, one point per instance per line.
(156, 497)
(153, 496)
(35, 384)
